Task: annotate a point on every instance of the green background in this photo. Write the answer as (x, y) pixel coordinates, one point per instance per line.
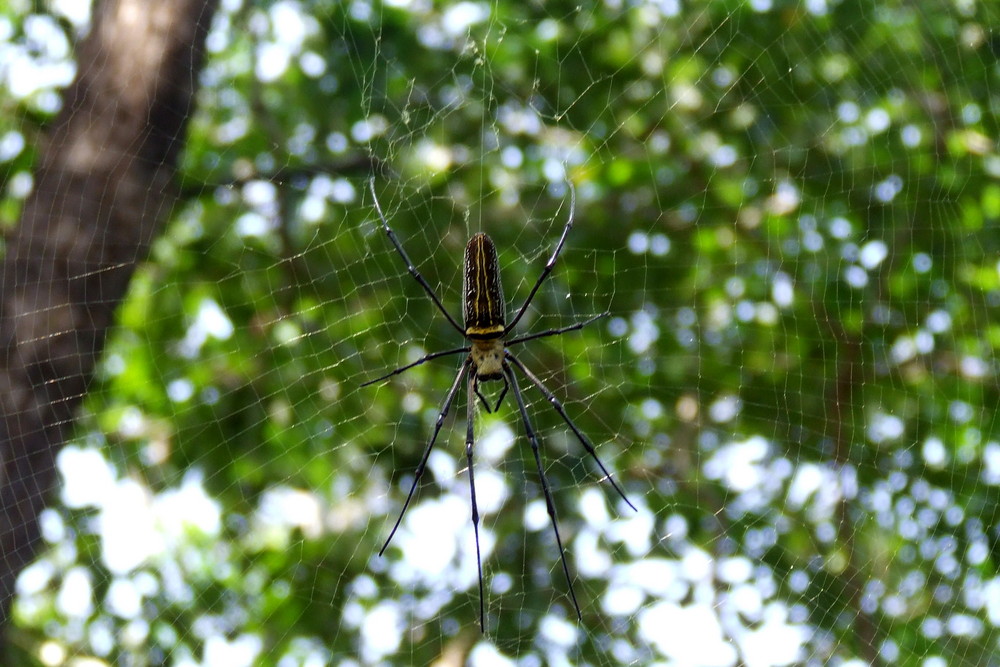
(790, 212)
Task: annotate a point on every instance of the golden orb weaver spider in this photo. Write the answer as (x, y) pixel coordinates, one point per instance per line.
(488, 360)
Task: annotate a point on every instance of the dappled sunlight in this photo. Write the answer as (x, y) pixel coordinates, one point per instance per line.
(783, 234)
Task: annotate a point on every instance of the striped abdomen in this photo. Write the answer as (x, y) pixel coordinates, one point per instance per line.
(482, 291)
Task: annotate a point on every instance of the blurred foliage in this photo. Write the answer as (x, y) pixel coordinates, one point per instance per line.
(788, 209)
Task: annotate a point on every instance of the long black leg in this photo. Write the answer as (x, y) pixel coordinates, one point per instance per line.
(555, 332)
(409, 264)
(433, 355)
(548, 265)
(469, 441)
(549, 505)
(569, 422)
(427, 452)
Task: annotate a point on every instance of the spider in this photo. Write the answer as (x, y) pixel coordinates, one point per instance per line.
(489, 359)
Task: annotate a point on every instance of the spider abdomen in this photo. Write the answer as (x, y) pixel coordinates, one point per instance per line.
(481, 290)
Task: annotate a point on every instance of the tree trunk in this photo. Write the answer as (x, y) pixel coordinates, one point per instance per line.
(102, 188)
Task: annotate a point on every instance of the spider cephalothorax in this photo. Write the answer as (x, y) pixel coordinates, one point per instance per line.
(488, 359)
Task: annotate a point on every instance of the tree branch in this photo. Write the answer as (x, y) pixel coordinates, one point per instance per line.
(102, 188)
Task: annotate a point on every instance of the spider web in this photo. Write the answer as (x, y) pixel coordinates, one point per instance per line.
(788, 212)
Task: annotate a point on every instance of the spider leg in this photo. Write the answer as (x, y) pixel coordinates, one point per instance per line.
(569, 422)
(433, 355)
(427, 452)
(552, 260)
(503, 392)
(469, 441)
(549, 504)
(475, 387)
(555, 332)
(409, 264)
(485, 402)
